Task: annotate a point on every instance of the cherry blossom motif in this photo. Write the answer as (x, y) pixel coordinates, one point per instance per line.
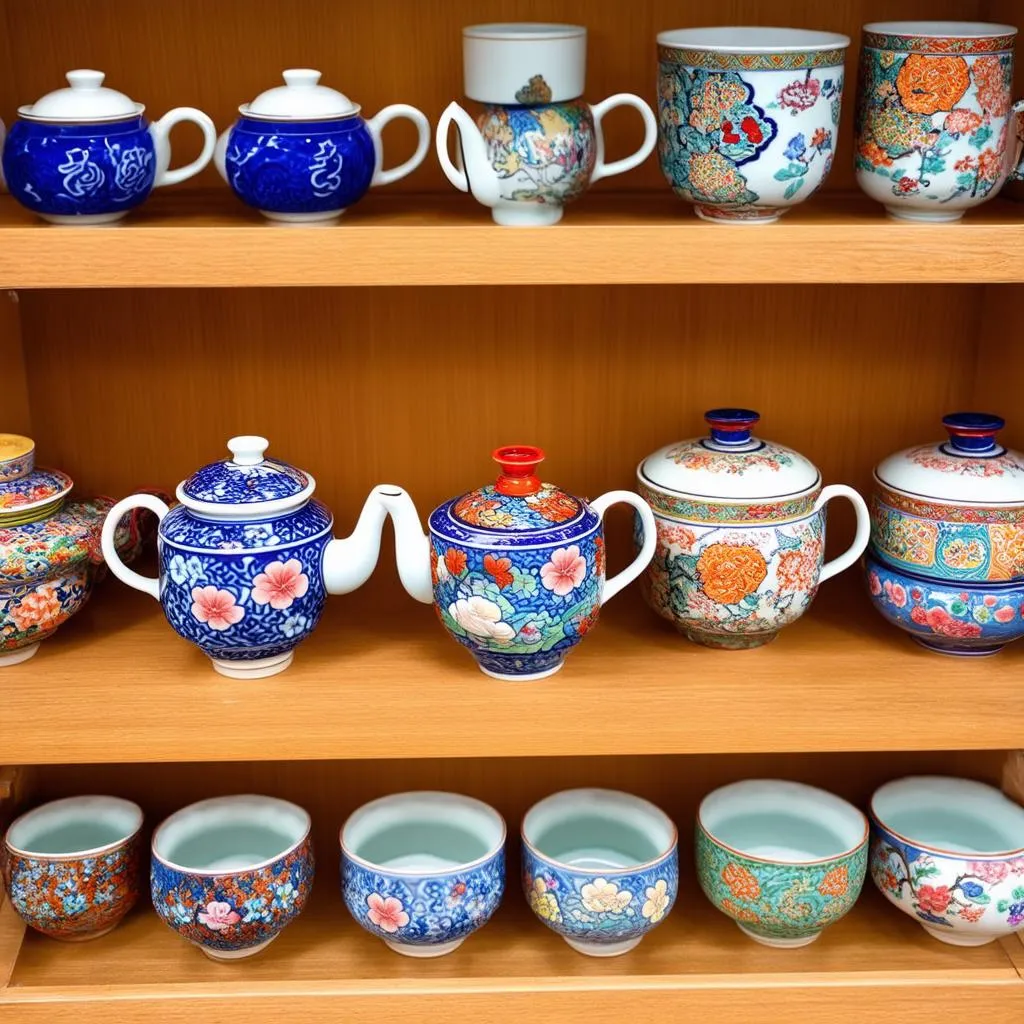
(40, 608)
(566, 570)
(215, 607)
(280, 584)
(386, 912)
(604, 897)
(656, 904)
(480, 617)
(218, 916)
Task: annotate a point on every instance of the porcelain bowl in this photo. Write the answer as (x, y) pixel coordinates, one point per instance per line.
(950, 617)
(424, 870)
(230, 873)
(782, 859)
(950, 853)
(600, 868)
(71, 867)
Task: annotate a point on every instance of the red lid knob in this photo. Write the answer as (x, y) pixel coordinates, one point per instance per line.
(518, 462)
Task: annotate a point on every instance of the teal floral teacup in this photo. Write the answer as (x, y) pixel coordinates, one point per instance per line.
(782, 859)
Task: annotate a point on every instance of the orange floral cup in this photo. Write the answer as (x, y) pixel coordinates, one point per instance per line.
(937, 131)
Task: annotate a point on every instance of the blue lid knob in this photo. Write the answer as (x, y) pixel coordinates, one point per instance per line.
(973, 432)
(731, 426)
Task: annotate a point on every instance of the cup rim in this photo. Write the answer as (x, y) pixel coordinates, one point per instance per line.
(97, 851)
(637, 801)
(795, 788)
(523, 31)
(233, 798)
(940, 29)
(711, 499)
(441, 796)
(958, 783)
(703, 39)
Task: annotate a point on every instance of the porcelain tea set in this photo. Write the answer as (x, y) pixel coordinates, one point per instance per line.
(747, 127)
(422, 871)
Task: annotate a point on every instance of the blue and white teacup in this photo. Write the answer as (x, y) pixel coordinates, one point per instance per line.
(228, 874)
(423, 871)
(600, 868)
(87, 155)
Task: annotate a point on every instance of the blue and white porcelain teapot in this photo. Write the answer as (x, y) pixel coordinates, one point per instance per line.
(246, 559)
(87, 155)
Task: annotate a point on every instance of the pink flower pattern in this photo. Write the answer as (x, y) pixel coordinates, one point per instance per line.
(566, 570)
(217, 608)
(386, 912)
(801, 94)
(218, 916)
(280, 584)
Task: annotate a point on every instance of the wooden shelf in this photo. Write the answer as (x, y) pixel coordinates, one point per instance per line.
(117, 685)
(210, 240)
(875, 963)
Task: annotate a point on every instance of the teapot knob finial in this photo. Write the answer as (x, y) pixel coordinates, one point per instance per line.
(248, 449)
(301, 77)
(973, 432)
(518, 462)
(731, 427)
(85, 79)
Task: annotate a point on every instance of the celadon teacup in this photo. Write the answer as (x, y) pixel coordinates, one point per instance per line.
(423, 870)
(600, 868)
(782, 859)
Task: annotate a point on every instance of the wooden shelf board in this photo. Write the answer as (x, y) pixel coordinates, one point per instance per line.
(381, 679)
(209, 239)
(325, 968)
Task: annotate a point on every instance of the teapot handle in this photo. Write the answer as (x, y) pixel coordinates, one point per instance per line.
(161, 131)
(863, 534)
(376, 126)
(108, 543)
(627, 163)
(642, 560)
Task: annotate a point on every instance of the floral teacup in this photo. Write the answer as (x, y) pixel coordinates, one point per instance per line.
(748, 117)
(600, 868)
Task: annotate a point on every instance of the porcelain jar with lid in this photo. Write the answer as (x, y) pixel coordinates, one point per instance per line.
(741, 533)
(515, 569)
(301, 153)
(87, 155)
(947, 532)
(49, 549)
(247, 558)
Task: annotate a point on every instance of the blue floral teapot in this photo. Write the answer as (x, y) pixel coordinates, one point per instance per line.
(516, 568)
(247, 558)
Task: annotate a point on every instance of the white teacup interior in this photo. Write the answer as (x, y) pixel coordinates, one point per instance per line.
(75, 826)
(955, 815)
(782, 821)
(961, 29)
(752, 39)
(598, 829)
(230, 833)
(423, 832)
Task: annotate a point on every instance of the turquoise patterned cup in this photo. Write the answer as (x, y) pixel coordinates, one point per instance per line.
(782, 859)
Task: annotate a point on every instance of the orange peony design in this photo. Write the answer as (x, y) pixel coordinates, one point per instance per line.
(729, 572)
(499, 568)
(835, 883)
(742, 884)
(872, 151)
(929, 84)
(455, 561)
(992, 85)
(740, 913)
(40, 608)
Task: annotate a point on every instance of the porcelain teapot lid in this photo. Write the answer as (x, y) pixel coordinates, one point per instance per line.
(517, 505)
(301, 98)
(730, 463)
(969, 468)
(246, 486)
(27, 493)
(87, 99)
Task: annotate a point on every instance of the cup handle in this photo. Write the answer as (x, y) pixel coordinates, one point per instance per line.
(860, 540)
(646, 553)
(161, 132)
(1017, 171)
(627, 163)
(108, 542)
(376, 126)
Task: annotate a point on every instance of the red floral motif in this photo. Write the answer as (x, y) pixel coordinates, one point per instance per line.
(499, 568)
(800, 95)
(280, 584)
(908, 185)
(874, 583)
(1004, 614)
(934, 899)
(599, 556)
(896, 593)
(218, 916)
(472, 509)
(455, 561)
(752, 130)
(942, 622)
(992, 85)
(215, 607)
(386, 912)
(565, 570)
(962, 122)
(40, 608)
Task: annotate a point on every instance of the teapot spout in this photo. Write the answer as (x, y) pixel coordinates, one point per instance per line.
(476, 175)
(349, 561)
(412, 546)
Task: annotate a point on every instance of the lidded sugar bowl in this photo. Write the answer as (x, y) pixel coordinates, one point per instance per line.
(947, 531)
(49, 549)
(247, 558)
(741, 533)
(301, 153)
(516, 569)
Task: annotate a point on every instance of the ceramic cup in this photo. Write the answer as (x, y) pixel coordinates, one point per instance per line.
(71, 867)
(950, 853)
(748, 117)
(230, 873)
(423, 871)
(17, 456)
(783, 860)
(947, 616)
(937, 131)
(600, 868)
